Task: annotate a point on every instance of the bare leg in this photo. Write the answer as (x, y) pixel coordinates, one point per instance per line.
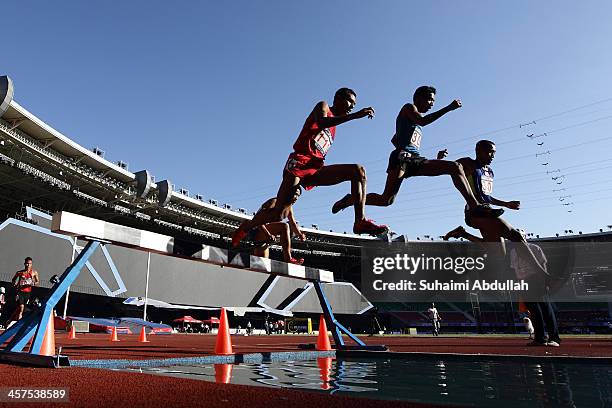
(17, 314)
(455, 170)
(338, 173)
(281, 230)
(494, 229)
(262, 252)
(460, 232)
(392, 187)
(355, 173)
(275, 214)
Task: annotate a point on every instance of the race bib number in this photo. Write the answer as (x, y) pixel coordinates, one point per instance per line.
(323, 141)
(26, 282)
(486, 184)
(415, 140)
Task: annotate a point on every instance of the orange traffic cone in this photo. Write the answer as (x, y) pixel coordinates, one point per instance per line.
(72, 335)
(325, 364)
(223, 373)
(48, 344)
(143, 336)
(223, 344)
(113, 336)
(323, 343)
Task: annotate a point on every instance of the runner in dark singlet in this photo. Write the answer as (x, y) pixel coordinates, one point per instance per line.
(480, 176)
(265, 235)
(305, 166)
(405, 161)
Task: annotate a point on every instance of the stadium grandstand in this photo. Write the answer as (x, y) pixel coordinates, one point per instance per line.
(43, 171)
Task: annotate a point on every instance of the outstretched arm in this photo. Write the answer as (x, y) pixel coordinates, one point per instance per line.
(513, 205)
(472, 238)
(442, 154)
(269, 236)
(466, 162)
(320, 112)
(411, 112)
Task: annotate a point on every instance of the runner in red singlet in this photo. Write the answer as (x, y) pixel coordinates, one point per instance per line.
(305, 166)
(265, 235)
(23, 282)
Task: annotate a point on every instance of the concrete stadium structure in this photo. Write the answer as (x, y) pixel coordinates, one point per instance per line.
(43, 171)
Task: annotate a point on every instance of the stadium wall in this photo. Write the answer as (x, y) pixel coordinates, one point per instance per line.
(120, 272)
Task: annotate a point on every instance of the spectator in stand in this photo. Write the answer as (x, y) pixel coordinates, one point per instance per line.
(267, 326)
(282, 326)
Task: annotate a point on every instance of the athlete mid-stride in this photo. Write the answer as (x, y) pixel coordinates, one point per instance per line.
(405, 161)
(265, 235)
(480, 176)
(305, 166)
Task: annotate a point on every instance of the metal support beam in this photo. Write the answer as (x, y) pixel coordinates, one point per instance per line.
(36, 322)
(336, 328)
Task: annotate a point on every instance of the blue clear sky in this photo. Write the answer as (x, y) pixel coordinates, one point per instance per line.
(212, 95)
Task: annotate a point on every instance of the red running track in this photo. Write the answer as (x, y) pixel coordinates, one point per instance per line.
(97, 346)
(97, 387)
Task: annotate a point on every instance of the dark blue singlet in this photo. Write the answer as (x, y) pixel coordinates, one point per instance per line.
(481, 182)
(408, 135)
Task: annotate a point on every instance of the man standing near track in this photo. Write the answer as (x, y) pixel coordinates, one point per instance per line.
(264, 235)
(435, 318)
(305, 166)
(23, 281)
(405, 161)
(541, 311)
(530, 264)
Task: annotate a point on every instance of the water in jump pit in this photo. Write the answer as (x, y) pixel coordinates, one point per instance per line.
(485, 383)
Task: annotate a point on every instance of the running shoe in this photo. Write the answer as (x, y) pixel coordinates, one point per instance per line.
(341, 204)
(368, 227)
(297, 261)
(238, 236)
(456, 233)
(485, 210)
(552, 343)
